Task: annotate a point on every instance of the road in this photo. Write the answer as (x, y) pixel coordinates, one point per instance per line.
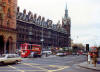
(48, 64)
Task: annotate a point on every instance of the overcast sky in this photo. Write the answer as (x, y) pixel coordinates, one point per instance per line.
(84, 14)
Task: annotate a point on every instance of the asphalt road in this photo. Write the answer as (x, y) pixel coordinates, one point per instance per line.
(48, 64)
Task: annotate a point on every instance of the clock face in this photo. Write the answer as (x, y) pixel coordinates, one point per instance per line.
(65, 21)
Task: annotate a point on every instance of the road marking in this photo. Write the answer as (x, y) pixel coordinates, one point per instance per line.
(56, 66)
(7, 70)
(58, 69)
(4, 67)
(36, 67)
(20, 70)
(16, 68)
(31, 63)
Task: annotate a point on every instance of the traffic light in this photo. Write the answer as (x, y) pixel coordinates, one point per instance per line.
(87, 47)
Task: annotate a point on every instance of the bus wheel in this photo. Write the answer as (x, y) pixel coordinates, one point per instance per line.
(39, 55)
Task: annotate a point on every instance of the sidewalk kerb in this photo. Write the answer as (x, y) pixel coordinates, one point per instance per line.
(88, 67)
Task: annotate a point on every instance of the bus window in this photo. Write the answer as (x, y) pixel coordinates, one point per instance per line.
(30, 47)
(35, 46)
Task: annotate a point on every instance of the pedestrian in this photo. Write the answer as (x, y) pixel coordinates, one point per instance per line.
(46, 54)
(94, 59)
(32, 54)
(89, 57)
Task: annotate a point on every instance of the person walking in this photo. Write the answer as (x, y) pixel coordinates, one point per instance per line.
(94, 59)
(46, 55)
(89, 58)
(32, 54)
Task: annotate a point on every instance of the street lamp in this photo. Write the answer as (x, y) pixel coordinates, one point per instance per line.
(42, 37)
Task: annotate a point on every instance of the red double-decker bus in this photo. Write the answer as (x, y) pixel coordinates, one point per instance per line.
(28, 49)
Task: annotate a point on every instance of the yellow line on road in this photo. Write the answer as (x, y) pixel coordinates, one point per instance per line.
(36, 67)
(20, 70)
(58, 69)
(16, 68)
(31, 63)
(40, 67)
(4, 67)
(7, 70)
(56, 66)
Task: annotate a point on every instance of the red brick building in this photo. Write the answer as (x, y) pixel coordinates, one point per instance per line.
(8, 26)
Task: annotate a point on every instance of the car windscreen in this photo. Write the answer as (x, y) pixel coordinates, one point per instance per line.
(2, 56)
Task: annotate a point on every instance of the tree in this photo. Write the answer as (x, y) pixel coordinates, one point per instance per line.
(77, 47)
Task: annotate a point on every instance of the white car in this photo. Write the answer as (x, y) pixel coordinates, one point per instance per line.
(10, 58)
(48, 52)
(60, 54)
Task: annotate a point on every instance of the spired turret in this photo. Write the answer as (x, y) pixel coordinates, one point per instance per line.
(66, 11)
(66, 21)
(66, 24)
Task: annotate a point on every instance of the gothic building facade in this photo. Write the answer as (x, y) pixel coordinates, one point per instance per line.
(8, 26)
(35, 29)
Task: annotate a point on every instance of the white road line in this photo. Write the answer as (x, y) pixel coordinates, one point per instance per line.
(16, 68)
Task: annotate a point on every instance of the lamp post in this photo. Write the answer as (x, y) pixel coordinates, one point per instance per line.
(42, 37)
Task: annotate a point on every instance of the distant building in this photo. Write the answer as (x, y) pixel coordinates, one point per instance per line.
(8, 26)
(66, 24)
(35, 29)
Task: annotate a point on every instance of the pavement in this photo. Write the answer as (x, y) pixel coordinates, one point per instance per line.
(90, 66)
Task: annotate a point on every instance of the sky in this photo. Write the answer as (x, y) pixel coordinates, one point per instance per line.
(84, 14)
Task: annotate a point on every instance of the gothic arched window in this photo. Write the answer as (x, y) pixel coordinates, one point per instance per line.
(9, 13)
(8, 23)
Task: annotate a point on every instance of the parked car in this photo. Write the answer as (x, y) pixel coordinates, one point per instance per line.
(48, 52)
(10, 58)
(84, 53)
(60, 54)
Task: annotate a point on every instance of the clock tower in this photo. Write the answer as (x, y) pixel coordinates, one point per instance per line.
(66, 24)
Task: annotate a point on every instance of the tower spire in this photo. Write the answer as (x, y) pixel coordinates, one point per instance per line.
(66, 11)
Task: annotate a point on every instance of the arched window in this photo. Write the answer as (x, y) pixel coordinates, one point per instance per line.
(8, 23)
(9, 13)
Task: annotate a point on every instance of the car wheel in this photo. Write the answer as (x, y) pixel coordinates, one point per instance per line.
(16, 62)
(1, 63)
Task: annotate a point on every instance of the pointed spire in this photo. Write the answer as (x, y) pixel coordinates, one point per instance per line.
(66, 11)
(66, 7)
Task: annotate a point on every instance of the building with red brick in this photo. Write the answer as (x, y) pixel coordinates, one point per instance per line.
(8, 26)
